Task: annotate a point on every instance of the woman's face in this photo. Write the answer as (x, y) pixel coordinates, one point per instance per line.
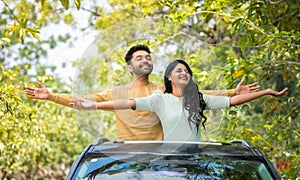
(180, 77)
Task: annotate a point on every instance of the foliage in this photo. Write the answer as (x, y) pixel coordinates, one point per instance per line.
(37, 134)
(223, 41)
(26, 18)
(21, 23)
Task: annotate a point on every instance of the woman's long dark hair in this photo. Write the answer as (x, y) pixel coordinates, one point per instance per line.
(192, 99)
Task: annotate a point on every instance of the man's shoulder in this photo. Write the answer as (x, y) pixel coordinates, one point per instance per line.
(155, 86)
(151, 86)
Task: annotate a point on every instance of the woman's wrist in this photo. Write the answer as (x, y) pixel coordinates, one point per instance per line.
(269, 91)
(96, 105)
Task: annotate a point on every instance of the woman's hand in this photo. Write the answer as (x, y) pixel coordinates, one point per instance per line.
(83, 104)
(243, 98)
(276, 93)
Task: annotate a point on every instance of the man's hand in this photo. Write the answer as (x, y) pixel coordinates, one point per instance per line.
(240, 89)
(37, 93)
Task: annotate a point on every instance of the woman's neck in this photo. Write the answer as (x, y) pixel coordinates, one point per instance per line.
(176, 91)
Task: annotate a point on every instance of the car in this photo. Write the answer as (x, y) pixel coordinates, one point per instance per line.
(171, 160)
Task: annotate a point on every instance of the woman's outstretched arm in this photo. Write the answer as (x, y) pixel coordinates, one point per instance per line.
(85, 104)
(243, 98)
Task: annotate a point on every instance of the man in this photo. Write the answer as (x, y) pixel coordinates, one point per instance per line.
(131, 125)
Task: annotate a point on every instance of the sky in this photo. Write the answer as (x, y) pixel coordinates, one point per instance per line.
(66, 52)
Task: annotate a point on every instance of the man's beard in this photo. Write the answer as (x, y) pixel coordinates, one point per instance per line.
(140, 71)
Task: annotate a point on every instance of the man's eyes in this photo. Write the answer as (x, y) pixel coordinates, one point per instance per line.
(141, 58)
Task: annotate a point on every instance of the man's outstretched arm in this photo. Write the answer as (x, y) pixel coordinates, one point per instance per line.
(240, 89)
(42, 93)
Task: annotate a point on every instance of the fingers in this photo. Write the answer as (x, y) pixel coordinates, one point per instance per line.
(252, 87)
(75, 103)
(284, 91)
(281, 93)
(242, 82)
(40, 84)
(29, 88)
(30, 92)
(253, 84)
(255, 89)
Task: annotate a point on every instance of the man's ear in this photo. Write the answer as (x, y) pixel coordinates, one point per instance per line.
(129, 67)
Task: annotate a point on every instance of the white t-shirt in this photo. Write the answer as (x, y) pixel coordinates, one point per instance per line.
(173, 116)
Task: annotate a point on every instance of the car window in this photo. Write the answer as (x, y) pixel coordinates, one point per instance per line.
(151, 166)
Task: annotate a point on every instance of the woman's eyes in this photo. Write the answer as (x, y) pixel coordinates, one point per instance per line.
(179, 71)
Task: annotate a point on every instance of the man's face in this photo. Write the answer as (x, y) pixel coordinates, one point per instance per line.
(141, 63)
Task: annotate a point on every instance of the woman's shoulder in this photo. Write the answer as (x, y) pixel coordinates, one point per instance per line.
(157, 92)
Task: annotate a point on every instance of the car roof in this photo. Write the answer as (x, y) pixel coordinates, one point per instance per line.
(233, 148)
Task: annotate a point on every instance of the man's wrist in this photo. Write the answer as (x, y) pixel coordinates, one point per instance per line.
(231, 92)
(52, 97)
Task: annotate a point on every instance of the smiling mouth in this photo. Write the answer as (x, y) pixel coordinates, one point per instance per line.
(184, 78)
(146, 66)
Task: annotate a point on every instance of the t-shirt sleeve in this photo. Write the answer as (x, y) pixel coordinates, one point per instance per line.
(62, 99)
(65, 99)
(149, 103)
(216, 102)
(102, 96)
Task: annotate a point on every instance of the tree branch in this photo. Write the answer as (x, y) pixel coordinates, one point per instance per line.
(93, 12)
(11, 11)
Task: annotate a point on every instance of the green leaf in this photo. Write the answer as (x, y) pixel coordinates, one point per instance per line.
(65, 4)
(42, 3)
(232, 112)
(77, 3)
(22, 34)
(242, 42)
(6, 40)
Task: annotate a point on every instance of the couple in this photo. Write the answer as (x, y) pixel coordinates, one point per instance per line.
(131, 125)
(180, 108)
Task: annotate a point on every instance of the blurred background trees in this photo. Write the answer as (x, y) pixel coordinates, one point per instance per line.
(223, 42)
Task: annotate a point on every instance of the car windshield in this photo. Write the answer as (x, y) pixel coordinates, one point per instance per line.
(153, 166)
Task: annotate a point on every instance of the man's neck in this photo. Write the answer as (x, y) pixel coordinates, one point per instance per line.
(140, 81)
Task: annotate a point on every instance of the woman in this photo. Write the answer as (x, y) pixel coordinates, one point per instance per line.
(180, 108)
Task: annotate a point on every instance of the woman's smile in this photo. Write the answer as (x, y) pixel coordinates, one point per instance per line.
(180, 76)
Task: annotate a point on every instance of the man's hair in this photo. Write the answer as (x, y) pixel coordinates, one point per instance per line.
(133, 49)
